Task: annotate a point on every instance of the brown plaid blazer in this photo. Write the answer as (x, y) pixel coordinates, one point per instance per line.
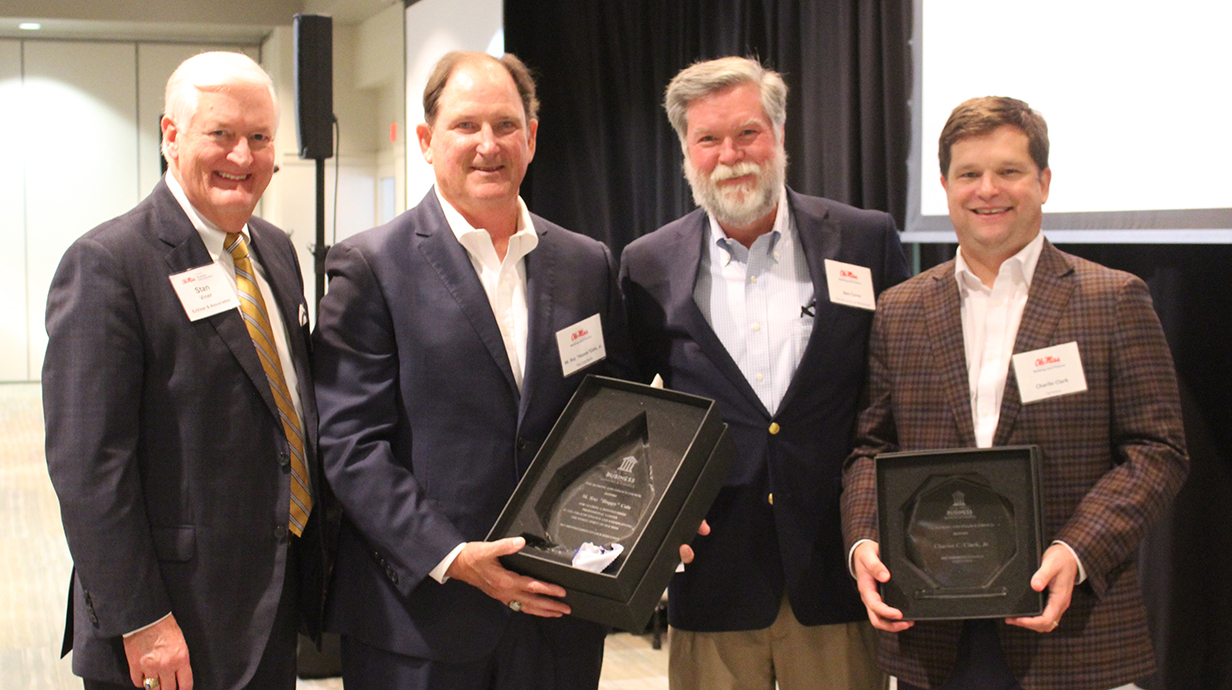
(1113, 456)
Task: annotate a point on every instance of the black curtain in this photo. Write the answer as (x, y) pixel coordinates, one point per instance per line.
(608, 163)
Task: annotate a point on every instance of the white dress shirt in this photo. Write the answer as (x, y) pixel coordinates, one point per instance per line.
(504, 281)
(753, 298)
(990, 320)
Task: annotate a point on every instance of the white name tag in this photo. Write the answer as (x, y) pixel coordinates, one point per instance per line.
(581, 345)
(205, 291)
(850, 284)
(1049, 372)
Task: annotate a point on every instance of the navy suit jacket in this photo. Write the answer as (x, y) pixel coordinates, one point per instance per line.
(165, 447)
(423, 430)
(775, 525)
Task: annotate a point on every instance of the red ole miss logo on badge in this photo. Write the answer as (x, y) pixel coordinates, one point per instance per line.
(1050, 359)
(844, 273)
(187, 279)
(581, 333)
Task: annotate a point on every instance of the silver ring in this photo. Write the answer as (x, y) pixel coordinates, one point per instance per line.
(150, 683)
(515, 605)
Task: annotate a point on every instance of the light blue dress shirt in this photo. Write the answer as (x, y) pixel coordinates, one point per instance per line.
(759, 302)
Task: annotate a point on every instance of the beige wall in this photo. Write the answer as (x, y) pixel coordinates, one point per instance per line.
(87, 111)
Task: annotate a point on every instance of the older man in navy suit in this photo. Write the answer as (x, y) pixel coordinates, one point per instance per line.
(440, 375)
(180, 413)
(762, 299)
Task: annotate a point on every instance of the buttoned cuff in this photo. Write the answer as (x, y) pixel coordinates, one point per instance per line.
(438, 573)
(147, 627)
(1082, 572)
(851, 555)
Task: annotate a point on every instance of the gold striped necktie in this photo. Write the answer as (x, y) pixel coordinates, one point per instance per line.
(252, 306)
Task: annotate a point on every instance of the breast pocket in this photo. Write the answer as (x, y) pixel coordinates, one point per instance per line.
(801, 331)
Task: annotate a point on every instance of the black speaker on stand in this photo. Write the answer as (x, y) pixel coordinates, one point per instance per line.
(314, 114)
(314, 121)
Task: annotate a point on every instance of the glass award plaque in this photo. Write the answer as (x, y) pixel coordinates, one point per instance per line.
(608, 502)
(961, 532)
(628, 471)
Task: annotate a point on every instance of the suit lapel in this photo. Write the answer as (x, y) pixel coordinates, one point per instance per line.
(453, 266)
(943, 320)
(690, 241)
(541, 275)
(1051, 288)
(188, 251)
(817, 245)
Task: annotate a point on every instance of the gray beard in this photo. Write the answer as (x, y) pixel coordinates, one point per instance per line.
(739, 207)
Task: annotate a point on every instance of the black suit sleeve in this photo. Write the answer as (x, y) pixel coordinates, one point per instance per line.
(356, 363)
(92, 381)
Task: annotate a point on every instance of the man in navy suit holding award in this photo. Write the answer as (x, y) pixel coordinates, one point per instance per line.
(440, 374)
(762, 300)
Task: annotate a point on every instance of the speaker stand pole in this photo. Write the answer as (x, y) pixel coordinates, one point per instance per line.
(319, 249)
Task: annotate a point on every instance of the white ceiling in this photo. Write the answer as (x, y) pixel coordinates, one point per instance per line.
(228, 21)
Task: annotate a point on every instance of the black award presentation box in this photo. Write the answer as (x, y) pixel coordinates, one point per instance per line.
(961, 532)
(625, 464)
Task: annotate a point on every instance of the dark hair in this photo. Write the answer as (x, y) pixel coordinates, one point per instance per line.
(979, 116)
(444, 69)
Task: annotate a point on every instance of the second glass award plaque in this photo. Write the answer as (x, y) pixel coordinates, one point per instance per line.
(961, 532)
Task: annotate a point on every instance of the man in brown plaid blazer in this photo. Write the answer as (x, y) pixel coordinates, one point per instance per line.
(940, 377)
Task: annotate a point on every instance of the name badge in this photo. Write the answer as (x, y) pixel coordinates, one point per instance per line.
(205, 291)
(1049, 372)
(850, 284)
(581, 345)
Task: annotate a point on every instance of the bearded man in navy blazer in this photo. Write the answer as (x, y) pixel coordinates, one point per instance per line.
(181, 424)
(749, 301)
(439, 376)
(940, 376)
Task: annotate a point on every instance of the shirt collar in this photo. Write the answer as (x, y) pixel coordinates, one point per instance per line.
(730, 248)
(213, 236)
(1020, 266)
(520, 244)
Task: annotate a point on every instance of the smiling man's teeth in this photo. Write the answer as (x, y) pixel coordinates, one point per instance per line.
(988, 211)
(229, 176)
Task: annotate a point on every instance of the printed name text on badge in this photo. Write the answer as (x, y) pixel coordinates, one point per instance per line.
(1049, 372)
(581, 345)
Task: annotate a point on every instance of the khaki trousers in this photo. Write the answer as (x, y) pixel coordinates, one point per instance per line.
(796, 657)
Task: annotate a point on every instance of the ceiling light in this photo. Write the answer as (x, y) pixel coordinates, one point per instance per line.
(30, 26)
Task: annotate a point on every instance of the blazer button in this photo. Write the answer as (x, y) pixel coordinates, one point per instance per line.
(774, 428)
(522, 443)
(770, 499)
(280, 532)
(284, 461)
(393, 577)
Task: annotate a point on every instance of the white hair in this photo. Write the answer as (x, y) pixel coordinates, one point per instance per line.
(210, 72)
